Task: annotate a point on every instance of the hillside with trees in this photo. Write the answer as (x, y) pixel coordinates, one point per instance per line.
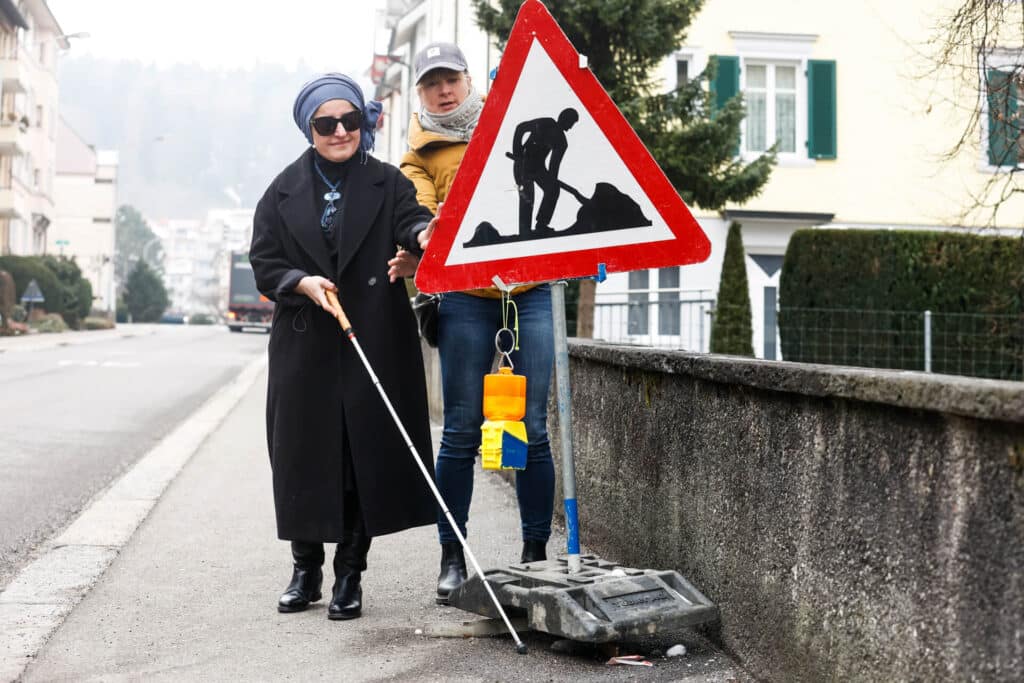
(189, 138)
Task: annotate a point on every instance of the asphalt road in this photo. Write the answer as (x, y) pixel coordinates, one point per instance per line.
(74, 417)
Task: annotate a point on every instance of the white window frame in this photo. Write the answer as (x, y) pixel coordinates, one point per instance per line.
(786, 49)
(999, 59)
(696, 60)
(800, 134)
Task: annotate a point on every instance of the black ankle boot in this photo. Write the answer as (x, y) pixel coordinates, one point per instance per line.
(453, 571)
(349, 563)
(307, 577)
(533, 551)
(347, 597)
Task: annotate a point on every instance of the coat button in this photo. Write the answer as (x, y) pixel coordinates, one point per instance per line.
(372, 281)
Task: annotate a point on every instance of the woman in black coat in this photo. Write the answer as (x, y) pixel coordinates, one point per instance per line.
(342, 472)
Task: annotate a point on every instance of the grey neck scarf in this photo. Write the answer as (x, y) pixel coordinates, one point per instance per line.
(459, 122)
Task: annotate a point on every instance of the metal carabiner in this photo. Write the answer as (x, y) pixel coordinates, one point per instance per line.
(505, 355)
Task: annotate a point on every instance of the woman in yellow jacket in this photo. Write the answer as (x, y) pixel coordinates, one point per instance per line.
(468, 322)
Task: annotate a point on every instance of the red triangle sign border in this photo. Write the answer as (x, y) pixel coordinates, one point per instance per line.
(689, 245)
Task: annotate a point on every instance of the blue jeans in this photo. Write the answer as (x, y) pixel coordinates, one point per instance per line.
(466, 328)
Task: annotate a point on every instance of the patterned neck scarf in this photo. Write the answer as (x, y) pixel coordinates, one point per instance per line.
(459, 122)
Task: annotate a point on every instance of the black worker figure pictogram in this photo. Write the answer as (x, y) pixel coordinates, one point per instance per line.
(538, 147)
(537, 150)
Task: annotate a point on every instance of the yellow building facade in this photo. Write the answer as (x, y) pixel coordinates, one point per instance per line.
(896, 117)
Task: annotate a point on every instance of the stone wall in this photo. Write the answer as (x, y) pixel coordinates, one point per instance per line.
(850, 524)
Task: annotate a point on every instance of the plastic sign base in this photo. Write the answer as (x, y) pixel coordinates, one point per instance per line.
(603, 602)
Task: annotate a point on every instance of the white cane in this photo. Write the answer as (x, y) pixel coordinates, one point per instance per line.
(346, 327)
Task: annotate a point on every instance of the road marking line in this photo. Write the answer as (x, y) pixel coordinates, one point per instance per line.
(95, 363)
(43, 593)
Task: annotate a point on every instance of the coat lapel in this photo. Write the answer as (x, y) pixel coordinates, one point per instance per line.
(364, 193)
(298, 212)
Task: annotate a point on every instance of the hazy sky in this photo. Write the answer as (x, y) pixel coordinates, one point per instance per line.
(326, 34)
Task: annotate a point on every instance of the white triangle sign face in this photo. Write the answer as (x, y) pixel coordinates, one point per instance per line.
(554, 182)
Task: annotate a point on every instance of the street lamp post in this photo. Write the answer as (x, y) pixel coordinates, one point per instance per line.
(63, 40)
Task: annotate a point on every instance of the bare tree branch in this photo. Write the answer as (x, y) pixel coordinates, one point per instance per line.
(980, 47)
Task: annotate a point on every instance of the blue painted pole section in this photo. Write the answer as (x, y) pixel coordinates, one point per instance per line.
(572, 527)
(565, 423)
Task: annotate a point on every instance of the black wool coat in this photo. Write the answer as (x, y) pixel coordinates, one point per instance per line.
(319, 393)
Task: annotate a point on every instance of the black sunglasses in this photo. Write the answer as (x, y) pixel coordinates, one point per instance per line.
(326, 125)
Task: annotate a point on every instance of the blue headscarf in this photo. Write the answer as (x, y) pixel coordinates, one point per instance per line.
(335, 86)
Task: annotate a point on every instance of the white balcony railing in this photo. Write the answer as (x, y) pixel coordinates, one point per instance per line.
(13, 204)
(13, 139)
(15, 75)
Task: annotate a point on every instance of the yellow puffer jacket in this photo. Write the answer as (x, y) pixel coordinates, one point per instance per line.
(430, 164)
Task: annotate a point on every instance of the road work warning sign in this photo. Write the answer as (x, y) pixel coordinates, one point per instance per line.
(554, 180)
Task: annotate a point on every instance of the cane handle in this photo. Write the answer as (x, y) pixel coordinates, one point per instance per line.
(339, 312)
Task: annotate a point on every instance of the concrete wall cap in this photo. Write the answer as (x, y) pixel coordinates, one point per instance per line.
(966, 396)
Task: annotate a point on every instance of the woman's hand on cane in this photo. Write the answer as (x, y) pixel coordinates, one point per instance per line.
(314, 288)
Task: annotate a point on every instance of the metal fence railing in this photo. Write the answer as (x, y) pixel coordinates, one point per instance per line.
(683, 323)
(973, 344)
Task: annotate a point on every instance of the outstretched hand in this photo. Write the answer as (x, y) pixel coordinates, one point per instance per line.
(402, 264)
(424, 237)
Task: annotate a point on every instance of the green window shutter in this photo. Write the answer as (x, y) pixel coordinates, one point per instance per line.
(821, 109)
(727, 80)
(1002, 119)
(725, 86)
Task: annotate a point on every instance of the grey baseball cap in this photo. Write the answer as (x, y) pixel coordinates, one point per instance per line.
(438, 56)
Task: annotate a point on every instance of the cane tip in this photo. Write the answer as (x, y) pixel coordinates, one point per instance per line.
(521, 648)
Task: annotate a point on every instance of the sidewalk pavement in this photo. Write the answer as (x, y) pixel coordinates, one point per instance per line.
(192, 595)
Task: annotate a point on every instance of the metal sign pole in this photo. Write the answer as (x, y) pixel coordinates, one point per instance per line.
(572, 525)
(599, 605)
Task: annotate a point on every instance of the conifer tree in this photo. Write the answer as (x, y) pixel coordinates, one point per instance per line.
(133, 235)
(731, 331)
(145, 295)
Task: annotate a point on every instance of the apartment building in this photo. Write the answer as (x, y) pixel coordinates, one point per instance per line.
(196, 258)
(85, 206)
(30, 38)
(403, 27)
(231, 229)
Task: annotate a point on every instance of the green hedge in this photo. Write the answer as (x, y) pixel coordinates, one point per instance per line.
(97, 323)
(857, 297)
(60, 279)
(7, 298)
(50, 323)
(83, 297)
(27, 268)
(76, 292)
